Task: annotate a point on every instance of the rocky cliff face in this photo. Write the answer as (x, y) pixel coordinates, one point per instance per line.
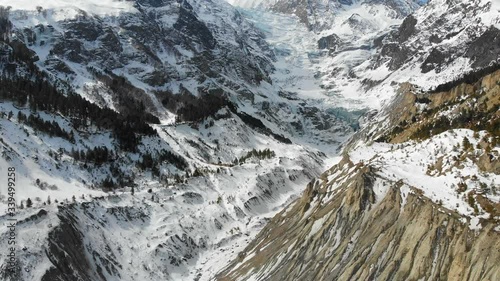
(354, 224)
(157, 46)
(470, 102)
(418, 209)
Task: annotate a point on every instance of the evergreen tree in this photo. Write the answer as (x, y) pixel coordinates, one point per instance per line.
(466, 144)
(21, 117)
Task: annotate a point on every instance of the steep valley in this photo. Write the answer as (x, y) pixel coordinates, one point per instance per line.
(250, 140)
(377, 216)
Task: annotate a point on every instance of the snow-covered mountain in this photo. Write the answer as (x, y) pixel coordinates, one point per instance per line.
(155, 139)
(426, 208)
(154, 45)
(368, 49)
(427, 157)
(198, 150)
(252, 4)
(318, 14)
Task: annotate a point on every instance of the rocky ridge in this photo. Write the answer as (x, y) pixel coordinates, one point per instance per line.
(377, 216)
(355, 224)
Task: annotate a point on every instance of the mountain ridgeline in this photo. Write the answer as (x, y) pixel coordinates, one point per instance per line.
(137, 110)
(403, 203)
(357, 222)
(188, 139)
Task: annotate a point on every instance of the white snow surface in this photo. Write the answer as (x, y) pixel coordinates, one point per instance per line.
(67, 9)
(410, 163)
(315, 75)
(214, 210)
(252, 4)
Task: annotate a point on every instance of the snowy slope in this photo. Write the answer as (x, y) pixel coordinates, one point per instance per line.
(213, 201)
(100, 8)
(327, 74)
(252, 4)
(221, 208)
(304, 85)
(415, 164)
(150, 238)
(30, 153)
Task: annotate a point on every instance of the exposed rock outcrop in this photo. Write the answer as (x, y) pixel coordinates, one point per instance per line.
(351, 233)
(329, 42)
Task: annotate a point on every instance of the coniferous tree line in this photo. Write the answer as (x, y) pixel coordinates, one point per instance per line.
(431, 129)
(257, 125)
(476, 120)
(5, 24)
(22, 53)
(189, 107)
(149, 161)
(97, 155)
(130, 99)
(108, 183)
(51, 128)
(19, 52)
(123, 177)
(40, 95)
(178, 161)
(468, 78)
(259, 154)
(35, 91)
